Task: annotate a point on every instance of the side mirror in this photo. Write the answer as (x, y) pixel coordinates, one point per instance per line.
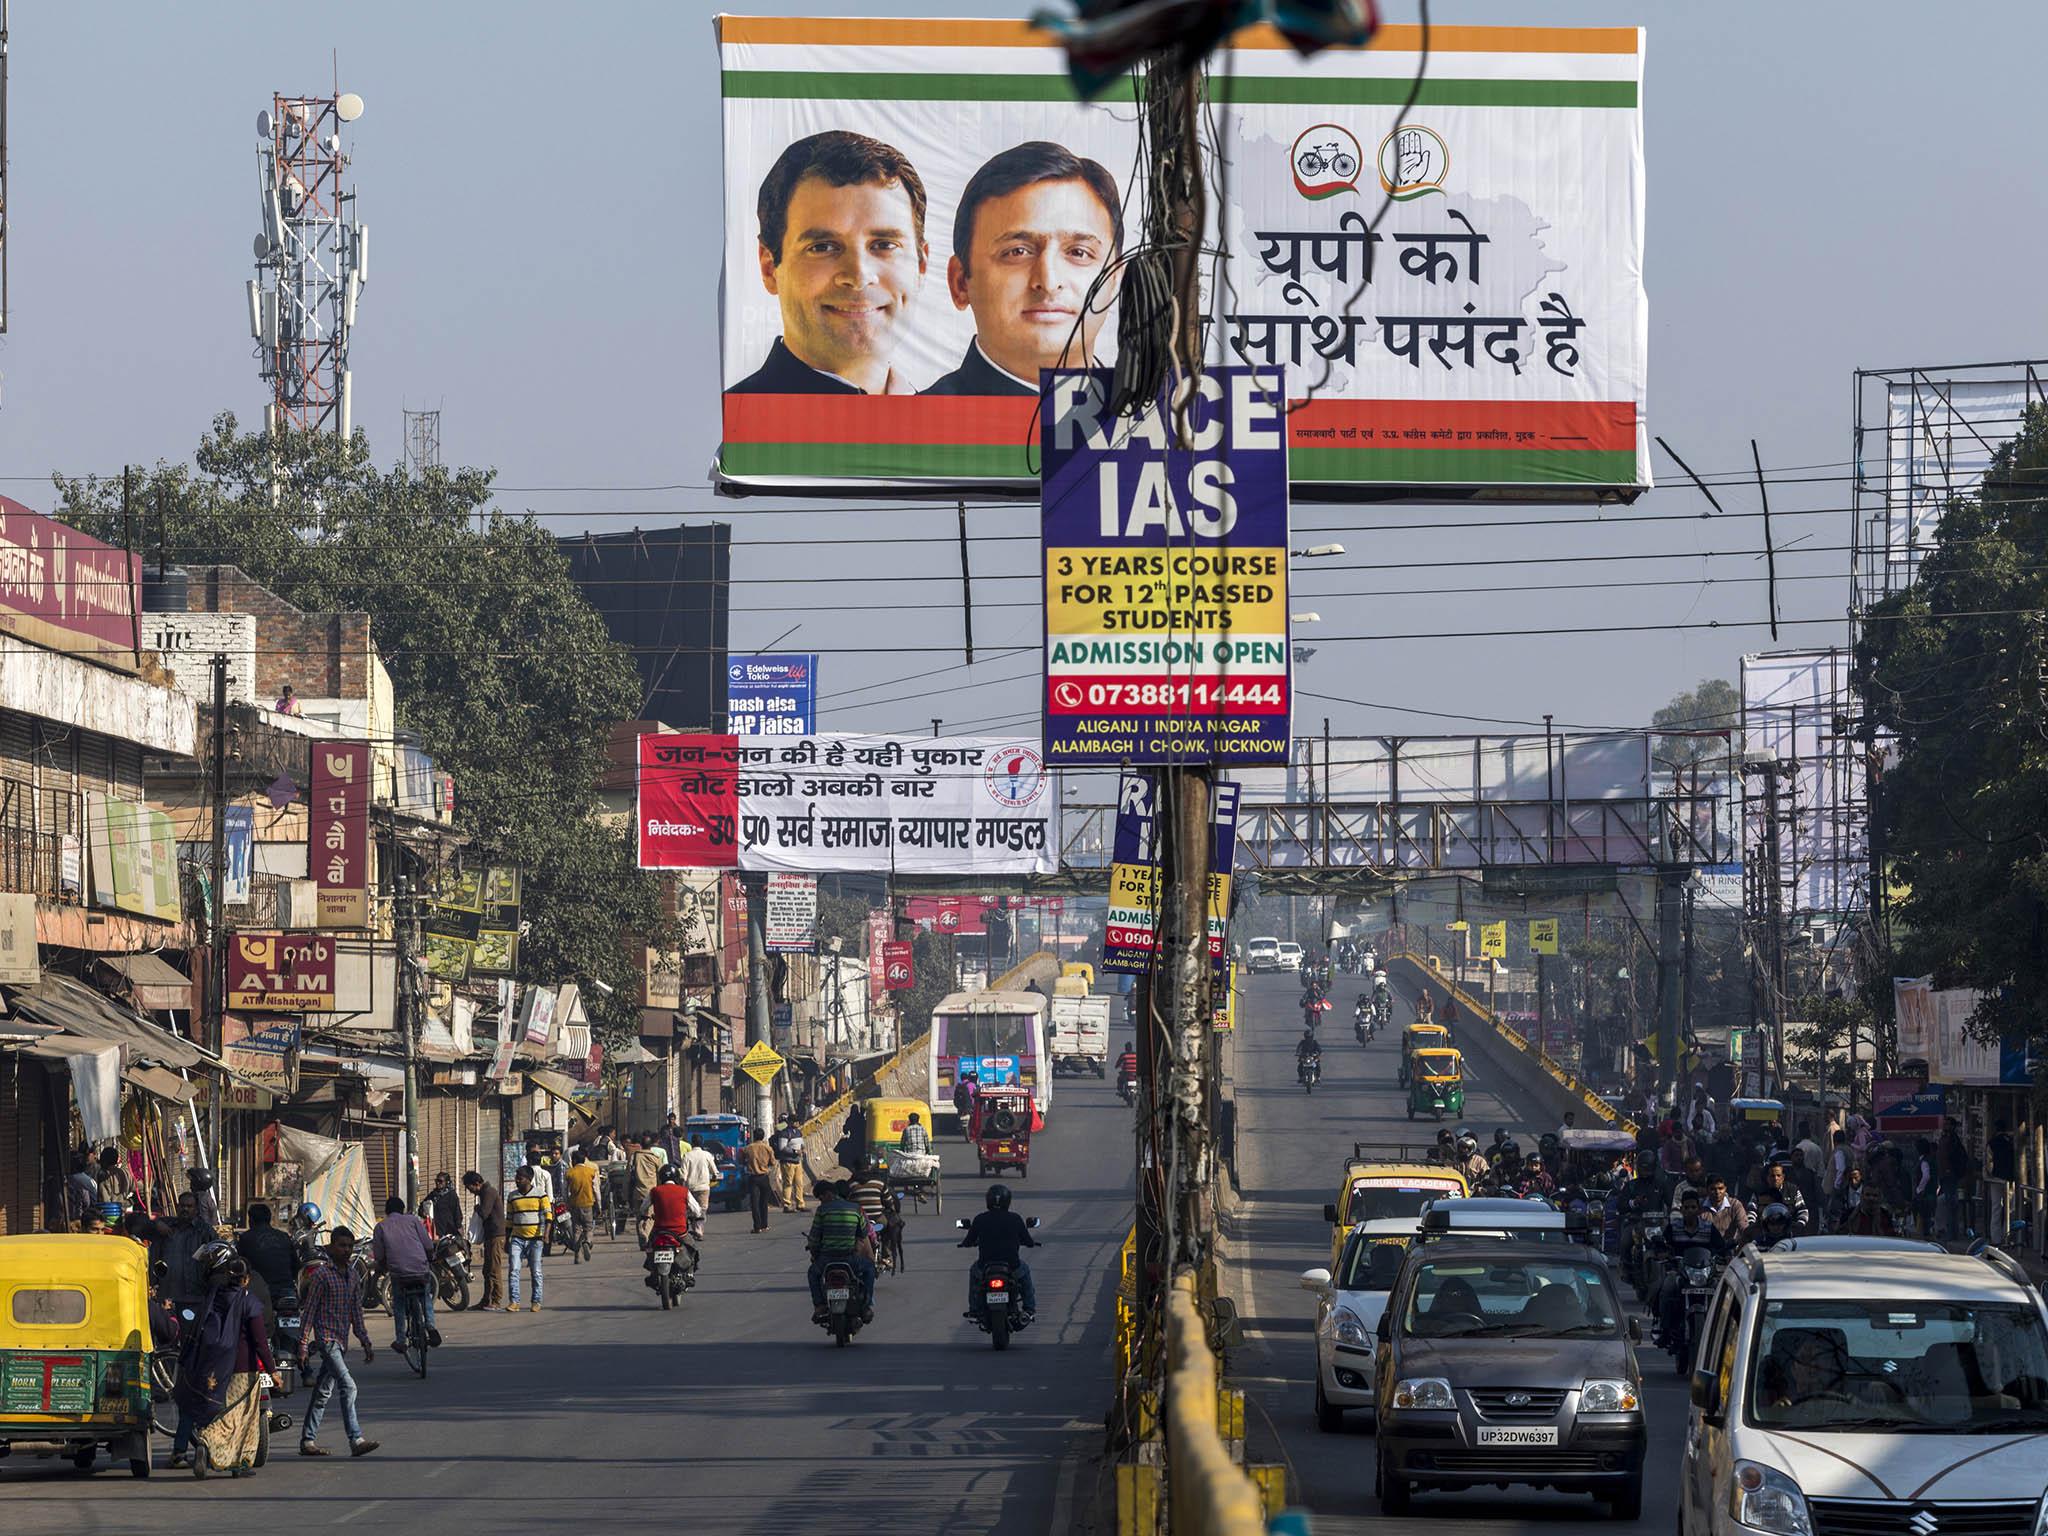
(1030, 1221)
(1385, 1331)
(1330, 1214)
(1315, 1279)
(1635, 1331)
(1706, 1393)
(961, 1223)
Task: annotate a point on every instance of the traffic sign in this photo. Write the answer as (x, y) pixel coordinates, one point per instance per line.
(761, 1063)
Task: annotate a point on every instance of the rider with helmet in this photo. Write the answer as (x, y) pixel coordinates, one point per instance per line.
(304, 1231)
(1470, 1160)
(1536, 1182)
(1773, 1226)
(1001, 1235)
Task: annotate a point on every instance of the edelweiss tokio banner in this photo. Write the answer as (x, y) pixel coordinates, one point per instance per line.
(920, 216)
(908, 804)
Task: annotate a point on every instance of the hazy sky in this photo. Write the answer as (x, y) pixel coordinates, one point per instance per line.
(1830, 186)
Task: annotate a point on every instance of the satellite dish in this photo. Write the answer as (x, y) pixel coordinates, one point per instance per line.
(263, 124)
(348, 106)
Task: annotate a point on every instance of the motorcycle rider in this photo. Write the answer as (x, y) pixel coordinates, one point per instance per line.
(1778, 1189)
(270, 1256)
(1308, 1049)
(1729, 1215)
(1001, 1235)
(1772, 1227)
(673, 1209)
(1535, 1182)
(1126, 1068)
(1688, 1228)
(304, 1233)
(442, 1207)
(838, 1232)
(1470, 1161)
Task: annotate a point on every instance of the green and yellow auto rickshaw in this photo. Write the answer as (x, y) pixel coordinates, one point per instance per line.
(912, 1171)
(75, 1348)
(1418, 1037)
(1436, 1082)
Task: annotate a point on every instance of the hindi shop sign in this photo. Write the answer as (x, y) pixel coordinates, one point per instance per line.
(772, 695)
(1165, 574)
(338, 829)
(66, 592)
(281, 971)
(791, 906)
(953, 805)
(1486, 336)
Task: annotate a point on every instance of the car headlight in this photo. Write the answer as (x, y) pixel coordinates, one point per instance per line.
(1350, 1330)
(1608, 1397)
(1767, 1500)
(1423, 1392)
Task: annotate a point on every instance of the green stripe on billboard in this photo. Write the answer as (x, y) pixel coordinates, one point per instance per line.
(1244, 90)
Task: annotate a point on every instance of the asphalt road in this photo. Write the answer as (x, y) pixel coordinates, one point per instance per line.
(1291, 1152)
(733, 1415)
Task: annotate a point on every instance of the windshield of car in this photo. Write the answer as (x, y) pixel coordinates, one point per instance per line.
(985, 1034)
(1370, 1263)
(1510, 1298)
(1265, 946)
(1371, 1202)
(1931, 1367)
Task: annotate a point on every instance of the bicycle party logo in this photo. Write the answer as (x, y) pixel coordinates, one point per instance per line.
(1413, 161)
(1326, 161)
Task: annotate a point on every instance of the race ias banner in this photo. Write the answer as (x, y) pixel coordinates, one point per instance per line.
(929, 805)
(920, 217)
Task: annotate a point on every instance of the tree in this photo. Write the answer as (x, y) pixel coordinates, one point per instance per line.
(1714, 706)
(1951, 671)
(498, 664)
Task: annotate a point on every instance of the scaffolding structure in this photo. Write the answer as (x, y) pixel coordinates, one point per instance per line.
(312, 256)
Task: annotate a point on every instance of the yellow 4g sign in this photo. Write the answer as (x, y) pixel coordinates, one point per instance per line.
(1493, 940)
(1543, 935)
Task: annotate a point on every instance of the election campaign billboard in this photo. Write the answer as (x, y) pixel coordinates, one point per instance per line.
(1165, 573)
(920, 216)
(959, 805)
(772, 695)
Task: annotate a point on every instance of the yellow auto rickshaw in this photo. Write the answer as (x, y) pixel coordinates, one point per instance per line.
(912, 1173)
(75, 1348)
(1436, 1082)
(1417, 1037)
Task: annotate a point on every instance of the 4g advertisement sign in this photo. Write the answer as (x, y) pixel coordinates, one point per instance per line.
(1165, 573)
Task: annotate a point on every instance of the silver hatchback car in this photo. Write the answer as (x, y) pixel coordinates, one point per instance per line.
(1508, 1362)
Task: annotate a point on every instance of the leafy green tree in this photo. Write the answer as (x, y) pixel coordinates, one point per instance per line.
(1714, 705)
(498, 664)
(1951, 670)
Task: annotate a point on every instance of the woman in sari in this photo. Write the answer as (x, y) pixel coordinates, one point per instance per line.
(225, 1346)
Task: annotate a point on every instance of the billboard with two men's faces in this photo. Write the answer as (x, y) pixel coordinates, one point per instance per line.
(921, 215)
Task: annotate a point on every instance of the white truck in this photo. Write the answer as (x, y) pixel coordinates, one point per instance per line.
(1080, 1029)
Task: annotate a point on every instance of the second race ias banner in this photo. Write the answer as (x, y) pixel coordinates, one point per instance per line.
(928, 805)
(920, 217)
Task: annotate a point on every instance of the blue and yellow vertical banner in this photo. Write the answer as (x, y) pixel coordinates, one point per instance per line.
(1131, 935)
(1165, 573)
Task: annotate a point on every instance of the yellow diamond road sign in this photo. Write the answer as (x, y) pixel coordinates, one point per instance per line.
(761, 1063)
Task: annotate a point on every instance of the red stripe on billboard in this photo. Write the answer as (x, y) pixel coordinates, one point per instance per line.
(1142, 693)
(1600, 426)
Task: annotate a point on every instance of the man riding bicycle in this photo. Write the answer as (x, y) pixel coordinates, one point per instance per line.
(402, 1249)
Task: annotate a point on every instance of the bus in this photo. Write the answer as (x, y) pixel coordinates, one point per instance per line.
(997, 1036)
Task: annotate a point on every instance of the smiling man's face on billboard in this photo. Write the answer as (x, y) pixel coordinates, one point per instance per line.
(850, 266)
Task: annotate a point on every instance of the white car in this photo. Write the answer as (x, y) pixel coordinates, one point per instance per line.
(1289, 956)
(1348, 1312)
(1262, 955)
(1867, 1385)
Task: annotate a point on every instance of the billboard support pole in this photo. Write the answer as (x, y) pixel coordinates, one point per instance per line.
(1670, 887)
(758, 1030)
(966, 587)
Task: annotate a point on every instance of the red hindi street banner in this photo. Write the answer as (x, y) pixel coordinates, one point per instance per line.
(878, 939)
(687, 814)
(897, 973)
(338, 834)
(281, 971)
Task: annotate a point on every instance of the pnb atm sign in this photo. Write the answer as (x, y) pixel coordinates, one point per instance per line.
(1165, 548)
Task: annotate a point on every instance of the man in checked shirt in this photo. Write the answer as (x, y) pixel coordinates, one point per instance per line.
(330, 1309)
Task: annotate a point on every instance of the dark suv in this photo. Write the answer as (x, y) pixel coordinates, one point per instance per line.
(1508, 1362)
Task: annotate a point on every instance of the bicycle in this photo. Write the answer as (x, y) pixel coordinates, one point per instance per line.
(409, 1297)
(1331, 157)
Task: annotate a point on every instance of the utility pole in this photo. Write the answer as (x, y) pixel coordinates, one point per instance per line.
(217, 957)
(1670, 889)
(758, 1011)
(403, 915)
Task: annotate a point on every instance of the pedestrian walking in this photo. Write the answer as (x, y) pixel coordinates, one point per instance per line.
(219, 1404)
(672, 1140)
(442, 1207)
(700, 1171)
(490, 1231)
(648, 1160)
(526, 1225)
(789, 1160)
(330, 1310)
(757, 1166)
(581, 1181)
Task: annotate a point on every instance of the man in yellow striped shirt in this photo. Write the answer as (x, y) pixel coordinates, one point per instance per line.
(526, 1225)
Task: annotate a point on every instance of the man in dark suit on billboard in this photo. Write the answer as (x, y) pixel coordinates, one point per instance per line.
(1038, 226)
(842, 248)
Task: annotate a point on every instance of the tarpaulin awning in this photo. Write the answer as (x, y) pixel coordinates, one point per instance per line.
(164, 1084)
(152, 983)
(78, 1010)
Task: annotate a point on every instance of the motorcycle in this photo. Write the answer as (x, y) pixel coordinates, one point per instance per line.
(998, 1309)
(1127, 1088)
(845, 1313)
(1309, 1072)
(285, 1330)
(1697, 1268)
(450, 1263)
(1361, 1022)
(671, 1267)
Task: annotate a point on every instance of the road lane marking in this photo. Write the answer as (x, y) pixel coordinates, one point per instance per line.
(360, 1509)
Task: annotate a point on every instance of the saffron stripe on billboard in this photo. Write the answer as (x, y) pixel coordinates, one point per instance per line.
(1566, 426)
(961, 33)
(806, 85)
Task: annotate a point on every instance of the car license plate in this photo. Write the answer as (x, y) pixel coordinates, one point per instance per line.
(839, 1293)
(1534, 1435)
(664, 1256)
